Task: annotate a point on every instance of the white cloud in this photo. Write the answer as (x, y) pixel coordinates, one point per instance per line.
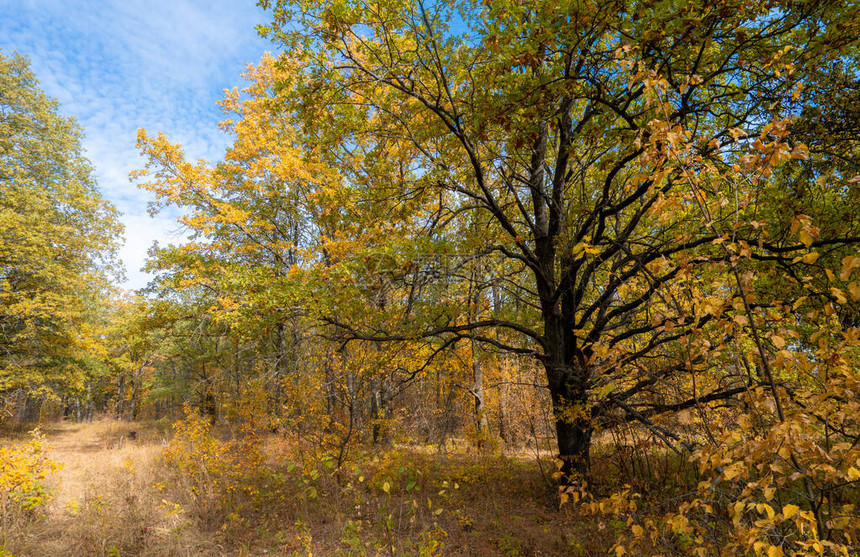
(119, 65)
(141, 231)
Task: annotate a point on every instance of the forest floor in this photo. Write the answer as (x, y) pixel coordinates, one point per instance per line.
(117, 495)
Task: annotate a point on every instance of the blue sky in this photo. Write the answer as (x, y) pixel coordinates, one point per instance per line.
(120, 65)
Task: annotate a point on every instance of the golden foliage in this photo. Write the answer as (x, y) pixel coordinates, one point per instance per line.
(23, 470)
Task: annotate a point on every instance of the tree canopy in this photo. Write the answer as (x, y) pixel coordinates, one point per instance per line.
(58, 242)
(626, 166)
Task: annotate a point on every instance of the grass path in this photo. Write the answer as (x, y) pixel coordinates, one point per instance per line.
(92, 455)
(100, 470)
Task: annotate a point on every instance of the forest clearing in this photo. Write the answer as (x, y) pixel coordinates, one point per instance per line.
(113, 494)
(532, 277)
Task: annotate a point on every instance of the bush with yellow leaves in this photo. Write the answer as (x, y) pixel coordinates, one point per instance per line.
(768, 487)
(23, 470)
(775, 471)
(216, 476)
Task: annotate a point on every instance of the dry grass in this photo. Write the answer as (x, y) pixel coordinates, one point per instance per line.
(103, 498)
(115, 496)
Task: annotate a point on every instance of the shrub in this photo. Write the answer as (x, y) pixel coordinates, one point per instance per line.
(218, 475)
(23, 470)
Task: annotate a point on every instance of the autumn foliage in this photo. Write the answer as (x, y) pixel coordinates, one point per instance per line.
(24, 469)
(621, 233)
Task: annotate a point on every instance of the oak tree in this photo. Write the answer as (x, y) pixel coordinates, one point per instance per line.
(623, 157)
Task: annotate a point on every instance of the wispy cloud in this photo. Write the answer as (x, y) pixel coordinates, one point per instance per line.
(119, 65)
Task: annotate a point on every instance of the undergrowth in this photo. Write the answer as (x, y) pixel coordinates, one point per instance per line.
(244, 491)
(23, 492)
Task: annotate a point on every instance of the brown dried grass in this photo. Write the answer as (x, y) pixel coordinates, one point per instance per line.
(114, 496)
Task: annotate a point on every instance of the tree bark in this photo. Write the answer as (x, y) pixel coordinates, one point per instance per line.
(375, 405)
(120, 406)
(503, 413)
(135, 387)
(573, 427)
(566, 366)
(478, 394)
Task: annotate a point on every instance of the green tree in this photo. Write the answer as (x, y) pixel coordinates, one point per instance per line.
(58, 241)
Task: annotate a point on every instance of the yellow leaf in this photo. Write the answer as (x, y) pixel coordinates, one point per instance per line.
(800, 152)
(733, 471)
(810, 258)
(386, 487)
(778, 341)
(680, 524)
(796, 93)
(775, 551)
(854, 290)
(805, 237)
(849, 263)
(764, 508)
(638, 531)
(790, 510)
(840, 295)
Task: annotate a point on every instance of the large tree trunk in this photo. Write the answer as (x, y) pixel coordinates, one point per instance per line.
(567, 373)
(120, 401)
(29, 411)
(503, 413)
(352, 391)
(209, 405)
(380, 412)
(375, 413)
(280, 368)
(573, 427)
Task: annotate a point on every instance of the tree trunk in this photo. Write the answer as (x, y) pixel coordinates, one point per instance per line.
(573, 428)
(135, 386)
(280, 368)
(478, 393)
(30, 410)
(374, 413)
(331, 391)
(503, 412)
(352, 391)
(209, 405)
(120, 400)
(566, 365)
(380, 412)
